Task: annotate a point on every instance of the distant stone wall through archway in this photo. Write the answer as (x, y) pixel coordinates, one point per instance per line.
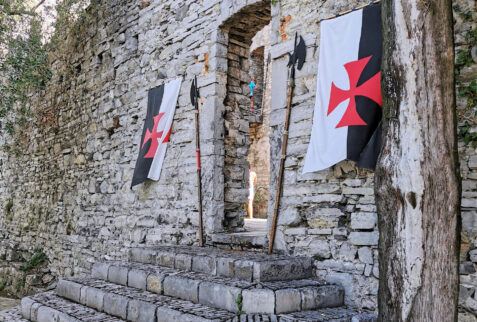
(240, 29)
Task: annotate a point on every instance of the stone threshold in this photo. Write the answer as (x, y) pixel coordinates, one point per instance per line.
(221, 292)
(246, 266)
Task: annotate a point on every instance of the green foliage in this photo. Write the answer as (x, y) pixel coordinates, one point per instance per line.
(464, 58)
(239, 302)
(470, 92)
(20, 284)
(467, 136)
(8, 206)
(37, 259)
(2, 285)
(25, 63)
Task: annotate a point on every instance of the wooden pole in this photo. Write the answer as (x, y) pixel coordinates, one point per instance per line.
(199, 179)
(291, 87)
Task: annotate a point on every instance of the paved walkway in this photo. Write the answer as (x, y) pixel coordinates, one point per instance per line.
(6, 303)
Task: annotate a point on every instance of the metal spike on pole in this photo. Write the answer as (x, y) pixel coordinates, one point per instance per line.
(296, 59)
(194, 97)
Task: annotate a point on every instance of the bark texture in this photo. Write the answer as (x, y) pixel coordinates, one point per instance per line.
(417, 179)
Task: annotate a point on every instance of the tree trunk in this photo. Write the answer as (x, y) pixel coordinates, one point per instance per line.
(417, 178)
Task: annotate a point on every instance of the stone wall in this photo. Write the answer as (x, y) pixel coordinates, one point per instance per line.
(330, 215)
(68, 194)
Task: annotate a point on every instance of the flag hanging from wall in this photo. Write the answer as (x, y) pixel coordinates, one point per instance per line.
(348, 108)
(161, 106)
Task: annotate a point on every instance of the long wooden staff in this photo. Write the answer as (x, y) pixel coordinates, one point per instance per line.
(194, 96)
(299, 56)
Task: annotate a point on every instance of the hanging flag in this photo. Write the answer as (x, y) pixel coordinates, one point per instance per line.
(161, 106)
(348, 108)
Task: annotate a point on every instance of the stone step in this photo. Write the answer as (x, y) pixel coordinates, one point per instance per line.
(251, 267)
(13, 314)
(246, 241)
(135, 305)
(49, 307)
(341, 314)
(221, 292)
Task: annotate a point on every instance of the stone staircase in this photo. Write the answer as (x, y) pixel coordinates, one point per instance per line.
(194, 284)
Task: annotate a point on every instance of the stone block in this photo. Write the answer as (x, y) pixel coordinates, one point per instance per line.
(183, 262)
(69, 290)
(346, 281)
(204, 264)
(143, 255)
(26, 305)
(165, 314)
(182, 287)
(473, 255)
(465, 291)
(118, 275)
(364, 238)
(34, 311)
(100, 270)
(365, 255)
(243, 270)
(466, 268)
(258, 301)
(141, 311)
(137, 278)
(219, 296)
(363, 220)
(320, 247)
(116, 305)
(364, 317)
(155, 283)
(288, 300)
(225, 267)
(282, 270)
(92, 297)
(165, 259)
(46, 314)
(321, 297)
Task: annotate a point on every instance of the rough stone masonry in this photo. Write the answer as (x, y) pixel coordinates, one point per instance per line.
(68, 193)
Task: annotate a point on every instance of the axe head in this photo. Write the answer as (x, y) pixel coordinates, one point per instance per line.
(194, 92)
(299, 55)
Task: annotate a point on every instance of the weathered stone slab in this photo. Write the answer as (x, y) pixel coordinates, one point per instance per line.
(137, 278)
(204, 264)
(26, 305)
(182, 287)
(69, 290)
(141, 311)
(324, 296)
(100, 270)
(288, 300)
(116, 305)
(219, 296)
(259, 301)
(282, 270)
(118, 274)
(92, 297)
(143, 255)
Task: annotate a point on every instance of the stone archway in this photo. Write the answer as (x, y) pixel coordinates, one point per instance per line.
(240, 30)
